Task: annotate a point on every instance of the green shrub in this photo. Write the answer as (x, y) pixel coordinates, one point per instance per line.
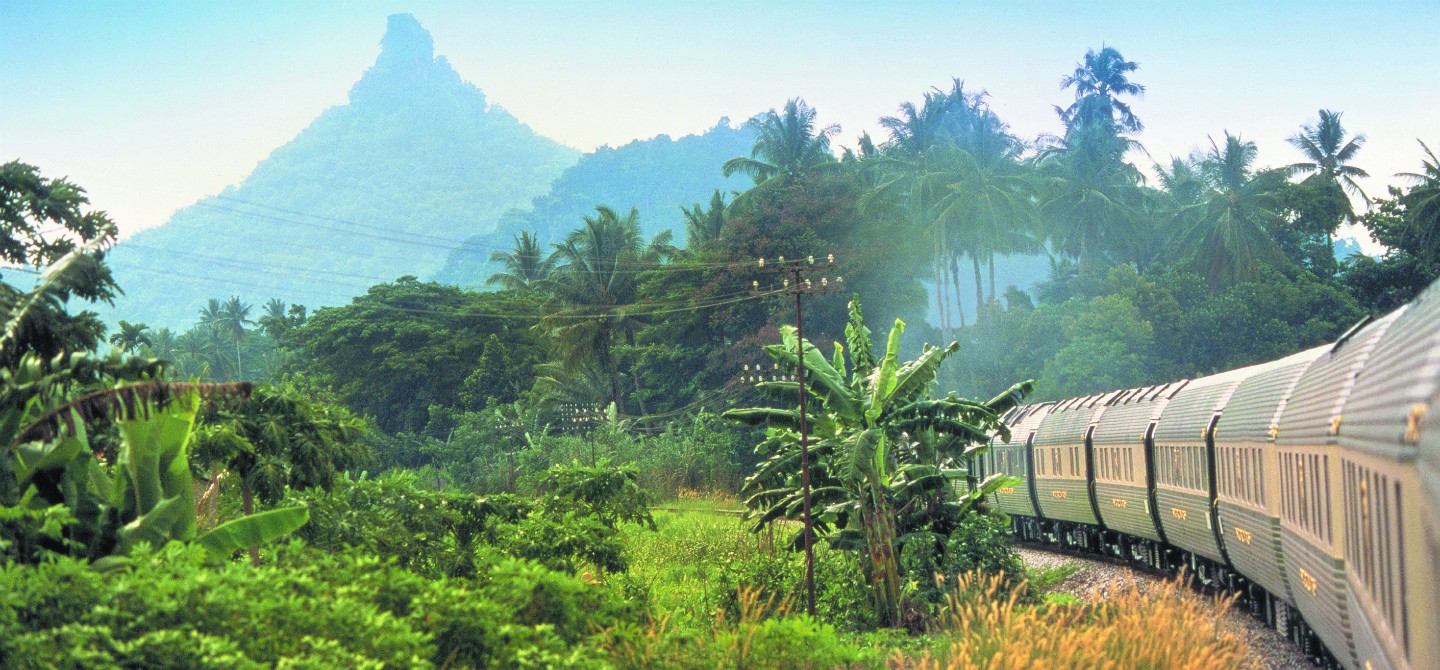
(979, 542)
(308, 609)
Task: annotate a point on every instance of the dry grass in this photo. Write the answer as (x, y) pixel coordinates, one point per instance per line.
(1163, 626)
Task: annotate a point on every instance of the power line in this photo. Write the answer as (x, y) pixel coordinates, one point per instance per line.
(388, 234)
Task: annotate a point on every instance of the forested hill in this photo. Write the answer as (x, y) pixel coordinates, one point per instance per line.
(382, 187)
(656, 176)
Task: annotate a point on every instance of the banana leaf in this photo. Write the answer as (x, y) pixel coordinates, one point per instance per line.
(252, 531)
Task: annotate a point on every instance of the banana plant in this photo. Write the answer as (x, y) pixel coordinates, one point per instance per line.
(147, 496)
(869, 425)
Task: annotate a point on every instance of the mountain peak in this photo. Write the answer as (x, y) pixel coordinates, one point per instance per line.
(406, 67)
(405, 44)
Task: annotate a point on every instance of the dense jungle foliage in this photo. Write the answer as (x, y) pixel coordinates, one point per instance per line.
(550, 473)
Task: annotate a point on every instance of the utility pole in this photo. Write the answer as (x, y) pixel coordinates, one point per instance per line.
(798, 284)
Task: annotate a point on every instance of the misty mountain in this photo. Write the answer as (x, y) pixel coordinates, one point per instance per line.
(657, 176)
(384, 186)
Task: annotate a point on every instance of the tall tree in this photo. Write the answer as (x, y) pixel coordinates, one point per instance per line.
(1422, 205)
(702, 226)
(1225, 232)
(1099, 80)
(1328, 152)
(277, 321)
(595, 286)
(931, 147)
(526, 266)
(234, 316)
(786, 144)
(130, 336)
(1088, 193)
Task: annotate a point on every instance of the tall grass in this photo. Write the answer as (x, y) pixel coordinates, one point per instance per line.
(1164, 626)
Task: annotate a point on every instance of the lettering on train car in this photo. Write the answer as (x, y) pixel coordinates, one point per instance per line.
(1060, 494)
(1308, 582)
(1120, 502)
(1006, 490)
(1179, 513)
(1243, 535)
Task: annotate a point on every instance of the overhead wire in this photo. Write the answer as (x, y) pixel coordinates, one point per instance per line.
(388, 234)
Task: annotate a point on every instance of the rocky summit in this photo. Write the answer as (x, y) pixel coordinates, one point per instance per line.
(382, 187)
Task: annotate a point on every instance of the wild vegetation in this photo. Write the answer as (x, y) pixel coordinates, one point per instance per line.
(570, 471)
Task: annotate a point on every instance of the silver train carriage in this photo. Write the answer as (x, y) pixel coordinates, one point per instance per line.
(1310, 483)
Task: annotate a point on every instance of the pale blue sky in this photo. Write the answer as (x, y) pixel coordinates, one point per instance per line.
(153, 105)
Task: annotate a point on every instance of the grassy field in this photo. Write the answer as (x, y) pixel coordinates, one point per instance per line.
(714, 582)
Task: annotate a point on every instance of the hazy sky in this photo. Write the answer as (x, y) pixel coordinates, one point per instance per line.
(153, 105)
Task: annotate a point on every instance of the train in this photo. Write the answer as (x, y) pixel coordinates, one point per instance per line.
(1309, 485)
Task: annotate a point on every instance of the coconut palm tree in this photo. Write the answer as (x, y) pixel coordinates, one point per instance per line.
(526, 267)
(131, 336)
(1226, 230)
(234, 316)
(1328, 152)
(929, 149)
(1422, 202)
(1099, 81)
(1088, 193)
(594, 287)
(702, 226)
(787, 144)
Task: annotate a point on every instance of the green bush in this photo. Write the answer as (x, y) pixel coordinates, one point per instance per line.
(777, 575)
(309, 609)
(979, 542)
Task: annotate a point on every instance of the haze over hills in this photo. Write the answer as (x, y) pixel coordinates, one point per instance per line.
(657, 176)
(384, 186)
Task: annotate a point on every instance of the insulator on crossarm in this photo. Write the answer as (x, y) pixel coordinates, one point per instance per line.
(830, 258)
(762, 263)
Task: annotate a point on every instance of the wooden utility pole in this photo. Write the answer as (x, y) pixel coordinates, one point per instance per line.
(797, 283)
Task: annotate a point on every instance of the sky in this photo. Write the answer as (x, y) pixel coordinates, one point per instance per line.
(152, 106)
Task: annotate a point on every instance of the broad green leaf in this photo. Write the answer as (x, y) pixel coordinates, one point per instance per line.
(884, 381)
(857, 339)
(822, 379)
(156, 525)
(915, 377)
(252, 531)
(1011, 397)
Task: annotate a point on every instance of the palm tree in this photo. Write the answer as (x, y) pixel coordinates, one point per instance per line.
(234, 316)
(929, 149)
(594, 286)
(1328, 152)
(703, 226)
(1422, 202)
(786, 144)
(526, 267)
(1099, 81)
(162, 344)
(993, 204)
(1226, 229)
(1089, 192)
(130, 336)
